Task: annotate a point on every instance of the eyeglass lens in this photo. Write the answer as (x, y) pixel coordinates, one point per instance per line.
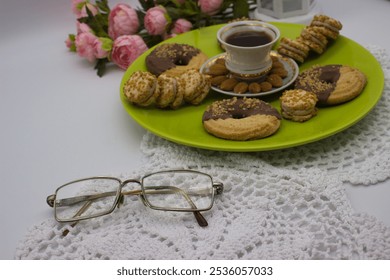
(86, 198)
(178, 190)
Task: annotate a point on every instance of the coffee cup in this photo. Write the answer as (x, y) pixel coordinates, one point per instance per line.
(248, 45)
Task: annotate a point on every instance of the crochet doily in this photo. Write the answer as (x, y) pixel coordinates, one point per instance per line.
(358, 155)
(288, 204)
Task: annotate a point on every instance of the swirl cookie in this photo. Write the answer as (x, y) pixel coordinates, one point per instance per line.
(333, 84)
(241, 119)
(174, 59)
(298, 105)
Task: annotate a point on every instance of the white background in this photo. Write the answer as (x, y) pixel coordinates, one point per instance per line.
(59, 121)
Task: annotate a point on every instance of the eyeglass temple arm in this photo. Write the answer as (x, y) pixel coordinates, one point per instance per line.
(78, 213)
(198, 216)
(77, 199)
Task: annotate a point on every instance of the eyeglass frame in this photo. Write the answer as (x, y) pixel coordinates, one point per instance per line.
(217, 189)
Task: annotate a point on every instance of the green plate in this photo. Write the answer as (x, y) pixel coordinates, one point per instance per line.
(184, 125)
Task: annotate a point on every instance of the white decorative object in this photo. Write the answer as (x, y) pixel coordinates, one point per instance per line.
(286, 10)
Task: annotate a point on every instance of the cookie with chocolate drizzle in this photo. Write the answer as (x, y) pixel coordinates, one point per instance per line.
(241, 119)
(173, 59)
(333, 84)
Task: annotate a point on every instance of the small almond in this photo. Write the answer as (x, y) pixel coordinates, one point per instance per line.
(241, 87)
(275, 80)
(218, 69)
(254, 87)
(220, 61)
(265, 86)
(228, 84)
(217, 80)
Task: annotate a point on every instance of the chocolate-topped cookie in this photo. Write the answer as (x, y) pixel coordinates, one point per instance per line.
(333, 84)
(174, 59)
(241, 119)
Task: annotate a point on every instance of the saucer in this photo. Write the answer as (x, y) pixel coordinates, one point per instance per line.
(290, 65)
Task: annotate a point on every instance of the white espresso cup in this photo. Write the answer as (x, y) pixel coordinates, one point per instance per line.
(248, 45)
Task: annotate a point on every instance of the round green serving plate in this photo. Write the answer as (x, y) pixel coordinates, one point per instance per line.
(184, 125)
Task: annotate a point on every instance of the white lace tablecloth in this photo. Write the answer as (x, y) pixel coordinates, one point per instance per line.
(287, 204)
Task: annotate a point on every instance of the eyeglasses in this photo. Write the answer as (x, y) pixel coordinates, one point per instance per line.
(172, 190)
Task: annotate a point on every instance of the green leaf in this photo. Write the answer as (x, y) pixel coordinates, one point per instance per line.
(80, 5)
(98, 23)
(226, 4)
(176, 3)
(240, 9)
(72, 38)
(147, 4)
(103, 6)
(106, 43)
(101, 66)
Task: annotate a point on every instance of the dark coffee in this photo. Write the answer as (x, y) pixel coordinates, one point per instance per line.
(249, 38)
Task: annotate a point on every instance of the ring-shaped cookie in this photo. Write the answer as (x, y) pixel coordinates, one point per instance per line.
(174, 59)
(241, 119)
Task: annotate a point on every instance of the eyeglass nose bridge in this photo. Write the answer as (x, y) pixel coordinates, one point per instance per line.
(127, 181)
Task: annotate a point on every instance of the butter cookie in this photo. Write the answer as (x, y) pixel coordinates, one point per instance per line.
(241, 119)
(333, 84)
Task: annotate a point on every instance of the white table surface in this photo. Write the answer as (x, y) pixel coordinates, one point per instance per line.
(59, 121)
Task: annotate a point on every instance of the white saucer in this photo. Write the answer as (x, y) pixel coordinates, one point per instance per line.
(290, 65)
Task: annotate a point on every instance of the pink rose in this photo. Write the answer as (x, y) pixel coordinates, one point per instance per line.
(83, 27)
(70, 42)
(85, 45)
(181, 25)
(102, 47)
(156, 20)
(79, 8)
(91, 8)
(123, 20)
(210, 7)
(126, 49)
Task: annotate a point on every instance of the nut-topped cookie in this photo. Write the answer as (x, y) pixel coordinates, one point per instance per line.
(333, 84)
(241, 119)
(330, 27)
(313, 38)
(298, 105)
